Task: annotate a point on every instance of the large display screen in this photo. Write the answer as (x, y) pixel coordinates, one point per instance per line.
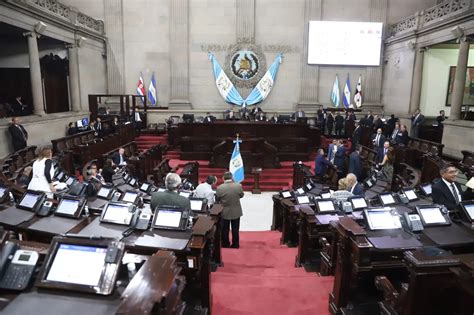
(168, 218)
(77, 264)
(344, 43)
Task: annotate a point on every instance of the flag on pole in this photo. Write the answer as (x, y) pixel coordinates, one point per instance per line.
(236, 164)
(346, 99)
(265, 85)
(224, 85)
(141, 88)
(335, 94)
(152, 90)
(358, 93)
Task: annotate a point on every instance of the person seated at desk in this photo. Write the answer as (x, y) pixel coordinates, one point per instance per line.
(245, 115)
(446, 191)
(119, 157)
(204, 190)
(43, 172)
(320, 164)
(343, 190)
(108, 171)
(93, 128)
(386, 166)
(256, 110)
(230, 115)
(170, 197)
(402, 136)
(25, 177)
(260, 116)
(354, 186)
(94, 175)
(71, 129)
(209, 118)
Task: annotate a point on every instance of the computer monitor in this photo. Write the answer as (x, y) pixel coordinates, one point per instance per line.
(326, 195)
(130, 196)
(31, 200)
(468, 209)
(118, 213)
(145, 187)
(185, 193)
(303, 199)
(188, 118)
(70, 180)
(70, 207)
(300, 190)
(358, 203)
(79, 124)
(410, 194)
(198, 204)
(325, 206)
(382, 219)
(285, 194)
(105, 192)
(308, 186)
(85, 122)
(425, 189)
(432, 215)
(170, 219)
(284, 119)
(83, 265)
(387, 199)
(77, 189)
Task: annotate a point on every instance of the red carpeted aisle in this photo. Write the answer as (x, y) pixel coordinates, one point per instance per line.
(260, 278)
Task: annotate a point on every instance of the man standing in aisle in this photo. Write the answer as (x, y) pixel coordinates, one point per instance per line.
(416, 121)
(229, 194)
(18, 134)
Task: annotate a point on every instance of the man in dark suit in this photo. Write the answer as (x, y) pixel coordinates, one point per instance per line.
(208, 119)
(446, 191)
(99, 128)
(355, 163)
(339, 123)
(393, 135)
(19, 108)
(229, 194)
(378, 140)
(332, 149)
(402, 136)
(170, 197)
(369, 119)
(119, 157)
(256, 110)
(354, 186)
(299, 113)
(18, 133)
(356, 136)
(391, 122)
(320, 118)
(260, 116)
(378, 123)
(330, 123)
(320, 164)
(416, 121)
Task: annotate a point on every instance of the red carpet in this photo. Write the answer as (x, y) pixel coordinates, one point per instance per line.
(260, 278)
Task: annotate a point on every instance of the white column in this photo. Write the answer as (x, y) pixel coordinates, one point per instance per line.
(74, 78)
(460, 79)
(35, 73)
(417, 81)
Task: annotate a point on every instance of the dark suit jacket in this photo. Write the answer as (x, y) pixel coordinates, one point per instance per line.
(340, 158)
(356, 136)
(402, 137)
(358, 190)
(320, 165)
(355, 165)
(330, 121)
(169, 198)
(209, 119)
(116, 158)
(339, 121)
(417, 122)
(441, 194)
(381, 141)
(18, 138)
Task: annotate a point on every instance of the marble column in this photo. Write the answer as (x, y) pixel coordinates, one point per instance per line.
(309, 73)
(179, 54)
(417, 81)
(35, 74)
(460, 79)
(74, 78)
(113, 20)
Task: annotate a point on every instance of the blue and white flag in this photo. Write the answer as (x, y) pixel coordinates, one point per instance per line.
(224, 85)
(152, 90)
(236, 164)
(335, 94)
(265, 85)
(346, 99)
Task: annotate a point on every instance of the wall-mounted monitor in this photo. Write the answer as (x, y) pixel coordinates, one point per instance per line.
(344, 43)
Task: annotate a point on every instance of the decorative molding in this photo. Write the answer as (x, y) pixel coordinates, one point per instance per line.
(266, 48)
(56, 11)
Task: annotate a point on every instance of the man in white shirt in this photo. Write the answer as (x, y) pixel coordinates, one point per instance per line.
(204, 190)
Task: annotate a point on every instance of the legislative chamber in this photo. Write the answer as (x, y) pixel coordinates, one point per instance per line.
(237, 157)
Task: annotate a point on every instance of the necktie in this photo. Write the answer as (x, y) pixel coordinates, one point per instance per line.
(377, 140)
(455, 193)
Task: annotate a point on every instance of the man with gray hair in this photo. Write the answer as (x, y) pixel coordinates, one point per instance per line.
(170, 197)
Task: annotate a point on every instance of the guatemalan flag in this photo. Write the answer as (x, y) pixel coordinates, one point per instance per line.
(141, 88)
(236, 164)
(265, 85)
(152, 90)
(224, 85)
(346, 99)
(335, 94)
(358, 93)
